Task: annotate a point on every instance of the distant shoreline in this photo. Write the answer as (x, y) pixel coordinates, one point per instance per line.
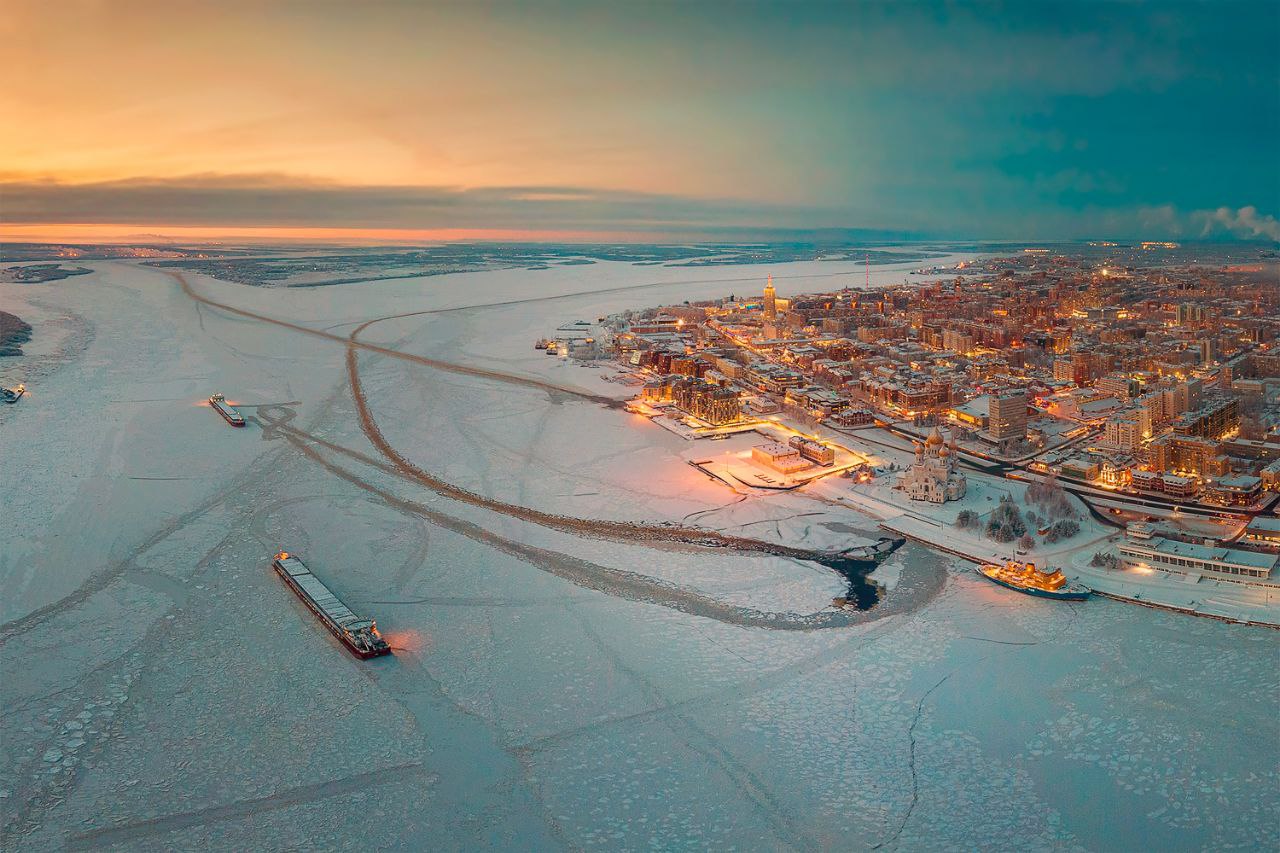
(14, 332)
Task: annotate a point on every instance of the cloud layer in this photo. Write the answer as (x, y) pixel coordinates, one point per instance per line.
(278, 201)
(1245, 222)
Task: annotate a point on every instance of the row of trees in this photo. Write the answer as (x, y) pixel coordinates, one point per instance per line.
(1006, 523)
(1062, 529)
(1051, 498)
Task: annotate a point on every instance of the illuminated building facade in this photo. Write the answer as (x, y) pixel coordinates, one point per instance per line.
(1124, 433)
(1171, 555)
(814, 451)
(1234, 491)
(1210, 421)
(1187, 453)
(780, 457)
(706, 401)
(1007, 416)
(934, 477)
(770, 327)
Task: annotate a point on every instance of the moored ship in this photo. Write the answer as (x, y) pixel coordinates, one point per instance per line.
(228, 412)
(1026, 577)
(360, 636)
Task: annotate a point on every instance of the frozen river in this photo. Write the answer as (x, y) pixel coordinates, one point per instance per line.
(162, 690)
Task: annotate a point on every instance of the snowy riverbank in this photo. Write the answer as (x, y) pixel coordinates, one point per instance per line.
(162, 690)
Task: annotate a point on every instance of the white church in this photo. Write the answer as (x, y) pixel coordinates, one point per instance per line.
(934, 477)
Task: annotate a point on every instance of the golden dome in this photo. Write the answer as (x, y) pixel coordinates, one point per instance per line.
(934, 439)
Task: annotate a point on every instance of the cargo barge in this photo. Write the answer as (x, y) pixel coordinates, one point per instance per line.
(222, 407)
(360, 636)
(1043, 582)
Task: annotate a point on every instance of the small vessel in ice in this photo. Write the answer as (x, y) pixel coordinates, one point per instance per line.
(1026, 577)
(360, 636)
(12, 395)
(228, 411)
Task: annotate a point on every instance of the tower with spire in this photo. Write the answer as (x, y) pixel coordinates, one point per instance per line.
(769, 328)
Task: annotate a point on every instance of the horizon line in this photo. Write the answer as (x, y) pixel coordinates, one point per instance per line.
(135, 234)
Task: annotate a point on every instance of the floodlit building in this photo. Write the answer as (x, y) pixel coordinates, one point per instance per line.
(1007, 416)
(1270, 476)
(1113, 385)
(973, 413)
(1211, 420)
(704, 400)
(657, 391)
(814, 451)
(1264, 531)
(933, 477)
(1140, 549)
(770, 326)
(780, 457)
(1192, 455)
(1116, 472)
(1082, 467)
(1124, 433)
(1234, 491)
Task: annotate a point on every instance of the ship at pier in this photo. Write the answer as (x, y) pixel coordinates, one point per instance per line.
(1041, 582)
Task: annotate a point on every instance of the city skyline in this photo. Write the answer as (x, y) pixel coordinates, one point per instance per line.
(627, 122)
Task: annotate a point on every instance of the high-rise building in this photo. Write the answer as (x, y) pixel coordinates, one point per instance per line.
(1007, 415)
(958, 341)
(1116, 385)
(1189, 314)
(1212, 420)
(1194, 389)
(769, 329)
(1188, 454)
(1123, 432)
(1153, 404)
(702, 399)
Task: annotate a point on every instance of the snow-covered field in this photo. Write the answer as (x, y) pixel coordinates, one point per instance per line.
(162, 690)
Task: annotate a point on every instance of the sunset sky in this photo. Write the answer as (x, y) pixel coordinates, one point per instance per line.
(1020, 120)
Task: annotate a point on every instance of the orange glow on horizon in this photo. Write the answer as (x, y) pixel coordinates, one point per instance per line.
(135, 234)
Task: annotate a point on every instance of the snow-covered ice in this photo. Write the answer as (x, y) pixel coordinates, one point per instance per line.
(162, 690)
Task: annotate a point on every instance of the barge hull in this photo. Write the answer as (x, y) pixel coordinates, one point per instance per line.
(333, 614)
(229, 414)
